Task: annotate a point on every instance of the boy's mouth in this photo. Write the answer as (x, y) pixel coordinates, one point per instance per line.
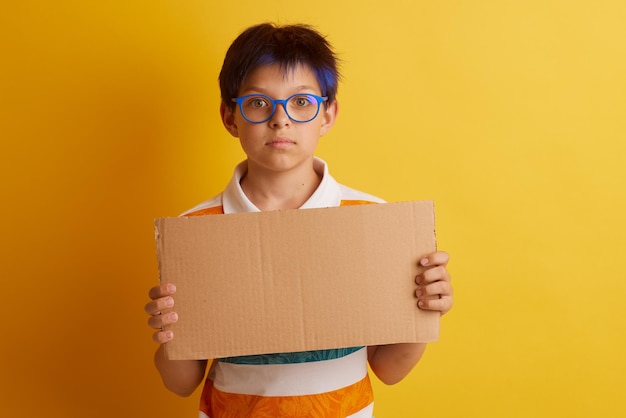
(280, 143)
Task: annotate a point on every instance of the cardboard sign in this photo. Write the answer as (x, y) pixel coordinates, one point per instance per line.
(296, 280)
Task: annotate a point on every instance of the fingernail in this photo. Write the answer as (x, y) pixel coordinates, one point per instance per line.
(171, 288)
(421, 304)
(424, 261)
(169, 302)
(418, 293)
(173, 317)
(169, 335)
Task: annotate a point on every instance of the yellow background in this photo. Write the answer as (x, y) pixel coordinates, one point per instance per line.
(509, 114)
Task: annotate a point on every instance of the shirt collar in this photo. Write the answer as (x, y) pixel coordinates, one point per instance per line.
(327, 194)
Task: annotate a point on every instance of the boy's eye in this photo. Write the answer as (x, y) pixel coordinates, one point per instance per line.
(257, 102)
(302, 101)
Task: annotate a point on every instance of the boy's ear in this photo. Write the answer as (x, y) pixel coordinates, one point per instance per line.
(228, 119)
(329, 117)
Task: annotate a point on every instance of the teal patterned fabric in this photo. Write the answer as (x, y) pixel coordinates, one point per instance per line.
(288, 358)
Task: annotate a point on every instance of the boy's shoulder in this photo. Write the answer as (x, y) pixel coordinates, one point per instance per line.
(213, 206)
(348, 194)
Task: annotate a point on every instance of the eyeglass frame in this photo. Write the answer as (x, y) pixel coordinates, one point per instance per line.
(275, 103)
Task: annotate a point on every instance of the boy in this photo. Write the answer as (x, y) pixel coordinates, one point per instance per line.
(278, 87)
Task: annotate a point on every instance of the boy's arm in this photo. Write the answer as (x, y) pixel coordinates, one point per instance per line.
(391, 363)
(180, 376)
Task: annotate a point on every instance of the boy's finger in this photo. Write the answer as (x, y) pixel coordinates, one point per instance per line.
(158, 305)
(437, 289)
(442, 305)
(162, 337)
(166, 289)
(432, 275)
(159, 321)
(434, 259)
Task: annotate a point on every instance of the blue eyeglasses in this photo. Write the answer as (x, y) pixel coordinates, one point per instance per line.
(259, 108)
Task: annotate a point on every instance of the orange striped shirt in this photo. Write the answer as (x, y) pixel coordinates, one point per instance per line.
(325, 383)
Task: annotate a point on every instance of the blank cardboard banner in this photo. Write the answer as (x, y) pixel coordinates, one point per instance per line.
(296, 280)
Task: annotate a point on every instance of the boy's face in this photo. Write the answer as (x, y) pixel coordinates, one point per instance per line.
(279, 144)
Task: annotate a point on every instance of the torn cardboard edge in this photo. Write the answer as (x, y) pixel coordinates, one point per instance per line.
(296, 280)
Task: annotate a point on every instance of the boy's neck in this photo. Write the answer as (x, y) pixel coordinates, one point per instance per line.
(278, 190)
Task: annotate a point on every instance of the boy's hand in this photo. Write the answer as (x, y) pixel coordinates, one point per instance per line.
(434, 291)
(160, 311)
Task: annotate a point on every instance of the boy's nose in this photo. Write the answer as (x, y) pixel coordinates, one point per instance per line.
(280, 117)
